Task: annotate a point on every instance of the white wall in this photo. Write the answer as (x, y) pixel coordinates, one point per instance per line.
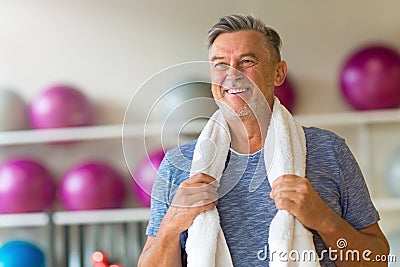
(109, 48)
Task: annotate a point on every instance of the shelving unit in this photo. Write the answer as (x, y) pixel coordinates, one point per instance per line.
(99, 132)
(72, 231)
(75, 217)
(68, 220)
(24, 219)
(116, 215)
(355, 118)
(351, 118)
(359, 122)
(114, 218)
(60, 135)
(362, 124)
(101, 216)
(74, 134)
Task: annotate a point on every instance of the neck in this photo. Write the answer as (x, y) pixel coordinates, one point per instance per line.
(248, 134)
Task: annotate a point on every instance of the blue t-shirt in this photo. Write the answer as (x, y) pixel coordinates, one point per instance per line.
(245, 208)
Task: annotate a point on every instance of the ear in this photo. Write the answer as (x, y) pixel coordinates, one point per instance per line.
(280, 75)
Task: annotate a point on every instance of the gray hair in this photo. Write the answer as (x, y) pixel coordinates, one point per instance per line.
(234, 23)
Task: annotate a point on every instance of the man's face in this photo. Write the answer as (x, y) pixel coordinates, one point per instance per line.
(240, 62)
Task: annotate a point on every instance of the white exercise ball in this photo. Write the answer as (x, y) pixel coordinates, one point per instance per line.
(185, 103)
(183, 109)
(13, 111)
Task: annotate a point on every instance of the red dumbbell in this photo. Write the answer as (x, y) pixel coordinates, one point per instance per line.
(99, 259)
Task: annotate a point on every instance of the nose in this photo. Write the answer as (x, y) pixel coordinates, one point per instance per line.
(228, 74)
(233, 73)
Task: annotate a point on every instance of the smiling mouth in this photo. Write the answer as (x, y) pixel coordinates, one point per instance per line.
(237, 90)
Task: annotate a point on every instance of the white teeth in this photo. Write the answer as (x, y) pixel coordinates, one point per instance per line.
(237, 91)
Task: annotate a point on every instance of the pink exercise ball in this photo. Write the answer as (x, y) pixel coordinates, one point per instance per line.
(370, 78)
(286, 94)
(144, 175)
(60, 106)
(25, 186)
(92, 185)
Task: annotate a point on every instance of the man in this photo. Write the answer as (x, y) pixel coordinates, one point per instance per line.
(332, 200)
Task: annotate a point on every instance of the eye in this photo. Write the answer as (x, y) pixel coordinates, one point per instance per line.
(247, 63)
(220, 66)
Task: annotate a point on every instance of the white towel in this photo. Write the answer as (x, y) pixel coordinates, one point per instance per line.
(284, 153)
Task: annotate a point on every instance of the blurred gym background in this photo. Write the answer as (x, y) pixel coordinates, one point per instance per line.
(72, 72)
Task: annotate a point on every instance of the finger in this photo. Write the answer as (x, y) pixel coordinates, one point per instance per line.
(295, 197)
(284, 187)
(285, 204)
(193, 202)
(201, 198)
(286, 178)
(197, 187)
(201, 208)
(186, 197)
(201, 178)
(299, 184)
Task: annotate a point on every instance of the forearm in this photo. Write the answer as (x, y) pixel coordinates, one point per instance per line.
(353, 246)
(165, 250)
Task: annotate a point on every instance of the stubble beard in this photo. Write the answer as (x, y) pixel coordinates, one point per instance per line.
(248, 111)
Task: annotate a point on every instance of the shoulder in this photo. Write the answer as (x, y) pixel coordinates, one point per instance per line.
(177, 163)
(325, 148)
(184, 151)
(318, 135)
(322, 140)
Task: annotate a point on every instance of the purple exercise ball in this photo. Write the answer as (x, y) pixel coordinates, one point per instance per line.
(144, 175)
(286, 94)
(60, 106)
(92, 185)
(370, 78)
(25, 186)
